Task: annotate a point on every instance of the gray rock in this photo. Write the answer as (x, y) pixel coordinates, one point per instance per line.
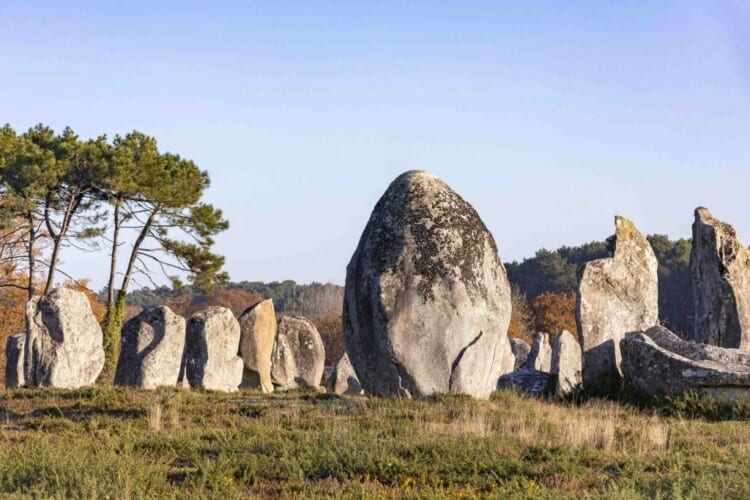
(720, 279)
(540, 356)
(211, 361)
(528, 381)
(63, 346)
(615, 296)
(344, 380)
(152, 347)
(567, 363)
(14, 376)
(298, 356)
(657, 362)
(521, 351)
(259, 328)
(427, 300)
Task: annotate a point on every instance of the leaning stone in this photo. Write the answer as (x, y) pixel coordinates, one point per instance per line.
(14, 377)
(298, 356)
(344, 380)
(63, 345)
(720, 278)
(521, 350)
(540, 356)
(615, 296)
(152, 346)
(213, 336)
(658, 362)
(259, 329)
(427, 300)
(567, 363)
(528, 381)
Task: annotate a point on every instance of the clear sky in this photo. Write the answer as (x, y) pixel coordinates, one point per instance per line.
(549, 117)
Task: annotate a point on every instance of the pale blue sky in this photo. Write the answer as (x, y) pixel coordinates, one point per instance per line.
(549, 117)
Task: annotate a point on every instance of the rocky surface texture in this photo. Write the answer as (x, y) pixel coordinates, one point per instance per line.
(298, 356)
(259, 328)
(528, 381)
(566, 363)
(540, 355)
(211, 361)
(521, 351)
(615, 296)
(152, 347)
(14, 377)
(720, 278)
(427, 300)
(344, 380)
(657, 362)
(63, 345)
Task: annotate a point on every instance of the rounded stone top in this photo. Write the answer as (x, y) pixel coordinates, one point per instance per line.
(702, 214)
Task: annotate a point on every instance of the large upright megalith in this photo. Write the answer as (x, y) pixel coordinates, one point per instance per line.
(152, 346)
(14, 349)
(63, 345)
(427, 300)
(720, 279)
(616, 295)
(258, 333)
(298, 357)
(211, 361)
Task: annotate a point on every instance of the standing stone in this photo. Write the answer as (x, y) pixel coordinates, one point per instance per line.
(211, 361)
(152, 346)
(567, 363)
(344, 380)
(540, 356)
(63, 345)
(521, 351)
(427, 301)
(720, 278)
(14, 377)
(258, 326)
(615, 296)
(298, 356)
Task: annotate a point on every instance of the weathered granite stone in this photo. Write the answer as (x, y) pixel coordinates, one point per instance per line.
(259, 328)
(427, 300)
(344, 380)
(528, 381)
(63, 345)
(658, 362)
(720, 278)
(298, 356)
(540, 356)
(521, 351)
(615, 296)
(152, 347)
(213, 337)
(14, 377)
(567, 363)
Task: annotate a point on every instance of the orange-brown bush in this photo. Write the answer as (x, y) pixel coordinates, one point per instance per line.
(331, 331)
(554, 312)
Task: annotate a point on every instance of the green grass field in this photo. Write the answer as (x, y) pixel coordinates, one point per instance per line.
(116, 443)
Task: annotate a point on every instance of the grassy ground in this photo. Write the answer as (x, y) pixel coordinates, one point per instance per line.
(98, 443)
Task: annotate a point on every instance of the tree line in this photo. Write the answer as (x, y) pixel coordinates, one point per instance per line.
(123, 196)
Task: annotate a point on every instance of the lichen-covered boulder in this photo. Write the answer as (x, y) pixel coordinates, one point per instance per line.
(344, 379)
(63, 345)
(529, 382)
(566, 363)
(211, 361)
(152, 347)
(521, 350)
(259, 328)
(14, 377)
(540, 355)
(720, 278)
(615, 296)
(298, 356)
(658, 362)
(427, 300)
